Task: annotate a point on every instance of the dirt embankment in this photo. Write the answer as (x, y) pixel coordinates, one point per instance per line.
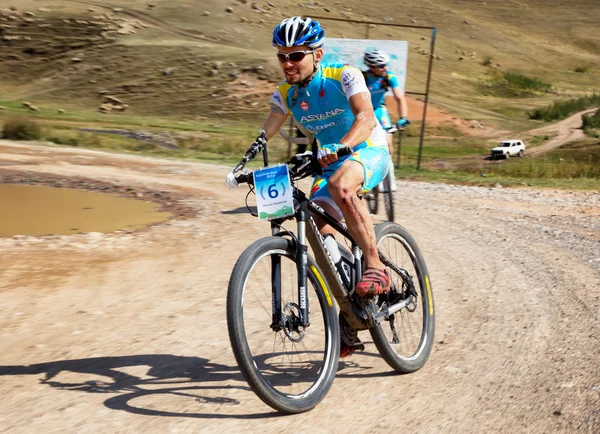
(126, 332)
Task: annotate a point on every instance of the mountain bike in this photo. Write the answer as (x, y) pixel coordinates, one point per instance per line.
(281, 315)
(384, 189)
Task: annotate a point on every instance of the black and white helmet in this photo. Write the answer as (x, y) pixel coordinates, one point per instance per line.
(375, 57)
(296, 31)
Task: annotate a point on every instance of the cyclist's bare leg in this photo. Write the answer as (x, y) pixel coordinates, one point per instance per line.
(390, 143)
(324, 227)
(343, 187)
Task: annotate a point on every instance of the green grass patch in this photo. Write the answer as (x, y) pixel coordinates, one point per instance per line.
(514, 84)
(437, 149)
(565, 108)
(537, 140)
(19, 128)
(591, 124)
(579, 160)
(582, 69)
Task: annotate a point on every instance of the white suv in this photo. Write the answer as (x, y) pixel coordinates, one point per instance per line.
(508, 148)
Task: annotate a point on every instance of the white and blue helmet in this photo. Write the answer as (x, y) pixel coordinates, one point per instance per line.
(375, 57)
(296, 31)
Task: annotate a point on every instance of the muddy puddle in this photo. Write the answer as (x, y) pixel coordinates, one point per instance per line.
(40, 210)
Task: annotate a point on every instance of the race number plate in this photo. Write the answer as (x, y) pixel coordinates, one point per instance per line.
(273, 192)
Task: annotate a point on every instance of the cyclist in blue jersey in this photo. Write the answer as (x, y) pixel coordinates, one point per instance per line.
(332, 102)
(379, 80)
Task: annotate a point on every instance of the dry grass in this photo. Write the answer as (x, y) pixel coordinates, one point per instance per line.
(545, 41)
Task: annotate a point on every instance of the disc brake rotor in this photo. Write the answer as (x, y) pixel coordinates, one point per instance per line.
(291, 322)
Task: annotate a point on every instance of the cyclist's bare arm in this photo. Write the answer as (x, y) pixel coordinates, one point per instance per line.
(401, 101)
(274, 122)
(364, 120)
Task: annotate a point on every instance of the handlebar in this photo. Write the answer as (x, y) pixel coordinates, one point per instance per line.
(305, 164)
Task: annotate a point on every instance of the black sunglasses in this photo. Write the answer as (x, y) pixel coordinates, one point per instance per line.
(381, 66)
(294, 56)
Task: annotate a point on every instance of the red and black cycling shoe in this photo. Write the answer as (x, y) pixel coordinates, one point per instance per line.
(373, 282)
(347, 350)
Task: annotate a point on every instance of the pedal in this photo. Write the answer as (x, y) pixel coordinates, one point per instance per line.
(357, 347)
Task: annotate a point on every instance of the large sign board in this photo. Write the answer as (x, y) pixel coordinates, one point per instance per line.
(353, 50)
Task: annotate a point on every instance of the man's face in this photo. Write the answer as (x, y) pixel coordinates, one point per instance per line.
(297, 70)
(378, 71)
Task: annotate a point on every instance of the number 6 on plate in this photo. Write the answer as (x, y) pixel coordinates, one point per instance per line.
(273, 192)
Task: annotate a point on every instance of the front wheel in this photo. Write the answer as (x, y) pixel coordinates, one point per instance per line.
(290, 367)
(405, 338)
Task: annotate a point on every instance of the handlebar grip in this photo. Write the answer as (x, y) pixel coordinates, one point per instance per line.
(245, 178)
(346, 150)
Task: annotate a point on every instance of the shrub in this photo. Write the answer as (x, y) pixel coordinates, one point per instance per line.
(21, 129)
(591, 120)
(514, 84)
(582, 69)
(521, 82)
(487, 61)
(563, 109)
(591, 124)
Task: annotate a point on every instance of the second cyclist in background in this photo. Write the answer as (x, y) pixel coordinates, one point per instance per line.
(379, 80)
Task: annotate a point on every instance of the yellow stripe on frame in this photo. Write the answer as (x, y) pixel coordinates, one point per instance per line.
(322, 282)
(429, 300)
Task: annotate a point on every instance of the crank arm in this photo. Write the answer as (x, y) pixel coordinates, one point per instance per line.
(375, 319)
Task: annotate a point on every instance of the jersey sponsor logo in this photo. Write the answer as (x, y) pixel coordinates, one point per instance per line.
(304, 105)
(321, 116)
(348, 79)
(324, 127)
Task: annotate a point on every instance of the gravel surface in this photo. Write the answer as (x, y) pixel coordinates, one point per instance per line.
(125, 332)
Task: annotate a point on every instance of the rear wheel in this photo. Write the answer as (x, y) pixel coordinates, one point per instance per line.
(405, 338)
(388, 197)
(373, 200)
(290, 367)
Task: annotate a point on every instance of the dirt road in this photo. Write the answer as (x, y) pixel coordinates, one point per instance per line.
(126, 332)
(566, 131)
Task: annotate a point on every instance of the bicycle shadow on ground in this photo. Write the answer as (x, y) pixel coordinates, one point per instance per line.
(241, 210)
(355, 367)
(168, 374)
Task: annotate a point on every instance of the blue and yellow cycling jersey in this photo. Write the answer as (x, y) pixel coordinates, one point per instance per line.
(322, 107)
(378, 86)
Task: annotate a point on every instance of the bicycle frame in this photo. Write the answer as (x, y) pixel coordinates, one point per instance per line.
(356, 315)
(311, 236)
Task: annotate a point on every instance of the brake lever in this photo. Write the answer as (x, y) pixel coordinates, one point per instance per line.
(240, 166)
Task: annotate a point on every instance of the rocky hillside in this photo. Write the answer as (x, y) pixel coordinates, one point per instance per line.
(214, 58)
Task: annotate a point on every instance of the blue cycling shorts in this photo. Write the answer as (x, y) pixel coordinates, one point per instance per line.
(375, 161)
